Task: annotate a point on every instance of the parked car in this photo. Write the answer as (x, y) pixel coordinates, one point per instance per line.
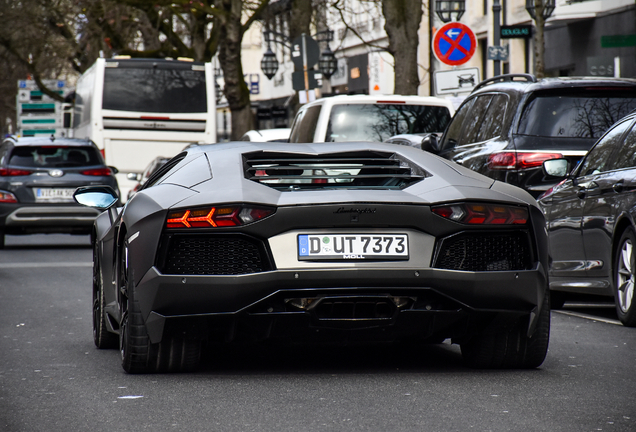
(510, 124)
(264, 135)
(369, 118)
(143, 177)
(591, 220)
(410, 247)
(419, 141)
(37, 179)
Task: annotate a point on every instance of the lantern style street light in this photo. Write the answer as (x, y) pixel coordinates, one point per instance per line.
(548, 8)
(269, 63)
(327, 63)
(446, 9)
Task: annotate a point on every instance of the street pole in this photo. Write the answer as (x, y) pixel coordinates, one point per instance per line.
(305, 71)
(496, 10)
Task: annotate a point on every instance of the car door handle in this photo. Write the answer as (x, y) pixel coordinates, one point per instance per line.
(585, 188)
(580, 193)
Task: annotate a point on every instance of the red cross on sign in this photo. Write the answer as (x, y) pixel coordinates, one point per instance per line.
(454, 44)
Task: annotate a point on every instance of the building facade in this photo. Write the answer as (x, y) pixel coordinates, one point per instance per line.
(582, 38)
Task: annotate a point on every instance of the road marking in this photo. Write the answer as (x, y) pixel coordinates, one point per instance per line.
(590, 317)
(45, 265)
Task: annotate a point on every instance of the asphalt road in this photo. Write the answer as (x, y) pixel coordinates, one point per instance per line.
(52, 378)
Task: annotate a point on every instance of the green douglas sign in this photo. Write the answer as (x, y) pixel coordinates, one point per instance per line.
(618, 41)
(516, 32)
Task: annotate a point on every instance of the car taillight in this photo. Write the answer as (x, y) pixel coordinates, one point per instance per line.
(98, 172)
(11, 172)
(7, 197)
(519, 160)
(483, 214)
(216, 216)
(319, 172)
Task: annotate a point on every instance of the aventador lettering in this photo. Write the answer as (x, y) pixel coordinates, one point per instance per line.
(355, 210)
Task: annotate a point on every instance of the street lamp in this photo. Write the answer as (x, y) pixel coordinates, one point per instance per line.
(327, 63)
(269, 63)
(496, 12)
(548, 8)
(445, 9)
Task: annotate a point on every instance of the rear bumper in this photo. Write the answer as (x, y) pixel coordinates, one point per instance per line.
(47, 218)
(379, 303)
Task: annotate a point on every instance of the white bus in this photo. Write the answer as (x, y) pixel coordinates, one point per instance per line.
(138, 109)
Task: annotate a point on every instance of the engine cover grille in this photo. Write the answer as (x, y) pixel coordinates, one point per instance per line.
(485, 252)
(214, 255)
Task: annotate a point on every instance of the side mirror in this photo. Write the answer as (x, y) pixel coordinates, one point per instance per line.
(134, 176)
(430, 143)
(113, 169)
(556, 168)
(100, 197)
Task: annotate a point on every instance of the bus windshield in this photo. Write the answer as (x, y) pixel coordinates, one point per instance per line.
(159, 90)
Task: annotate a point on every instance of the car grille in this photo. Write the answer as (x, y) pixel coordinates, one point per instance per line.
(214, 255)
(485, 252)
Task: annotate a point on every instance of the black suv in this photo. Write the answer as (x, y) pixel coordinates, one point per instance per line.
(510, 124)
(38, 176)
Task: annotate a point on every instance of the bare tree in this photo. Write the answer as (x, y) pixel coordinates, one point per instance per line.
(539, 39)
(402, 22)
(47, 37)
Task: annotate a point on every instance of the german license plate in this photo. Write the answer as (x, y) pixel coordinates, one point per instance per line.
(336, 247)
(53, 194)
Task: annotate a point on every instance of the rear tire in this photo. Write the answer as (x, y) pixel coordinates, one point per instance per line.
(625, 278)
(175, 353)
(1, 239)
(557, 299)
(101, 336)
(511, 348)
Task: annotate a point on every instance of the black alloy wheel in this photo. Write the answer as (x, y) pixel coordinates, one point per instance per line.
(134, 344)
(625, 278)
(101, 336)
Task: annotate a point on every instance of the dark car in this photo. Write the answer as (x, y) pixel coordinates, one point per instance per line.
(256, 241)
(591, 219)
(510, 124)
(143, 177)
(38, 176)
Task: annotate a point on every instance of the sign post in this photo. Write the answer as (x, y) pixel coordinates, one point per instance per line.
(454, 44)
(38, 114)
(305, 54)
(456, 81)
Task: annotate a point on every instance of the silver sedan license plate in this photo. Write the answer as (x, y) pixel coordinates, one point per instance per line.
(337, 247)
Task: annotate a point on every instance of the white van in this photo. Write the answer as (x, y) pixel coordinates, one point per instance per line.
(369, 118)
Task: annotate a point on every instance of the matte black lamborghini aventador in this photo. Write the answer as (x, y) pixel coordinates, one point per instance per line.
(318, 242)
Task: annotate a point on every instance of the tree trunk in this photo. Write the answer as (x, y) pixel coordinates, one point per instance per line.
(539, 40)
(235, 89)
(403, 18)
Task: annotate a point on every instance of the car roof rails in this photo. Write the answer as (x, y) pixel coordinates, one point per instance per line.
(506, 78)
